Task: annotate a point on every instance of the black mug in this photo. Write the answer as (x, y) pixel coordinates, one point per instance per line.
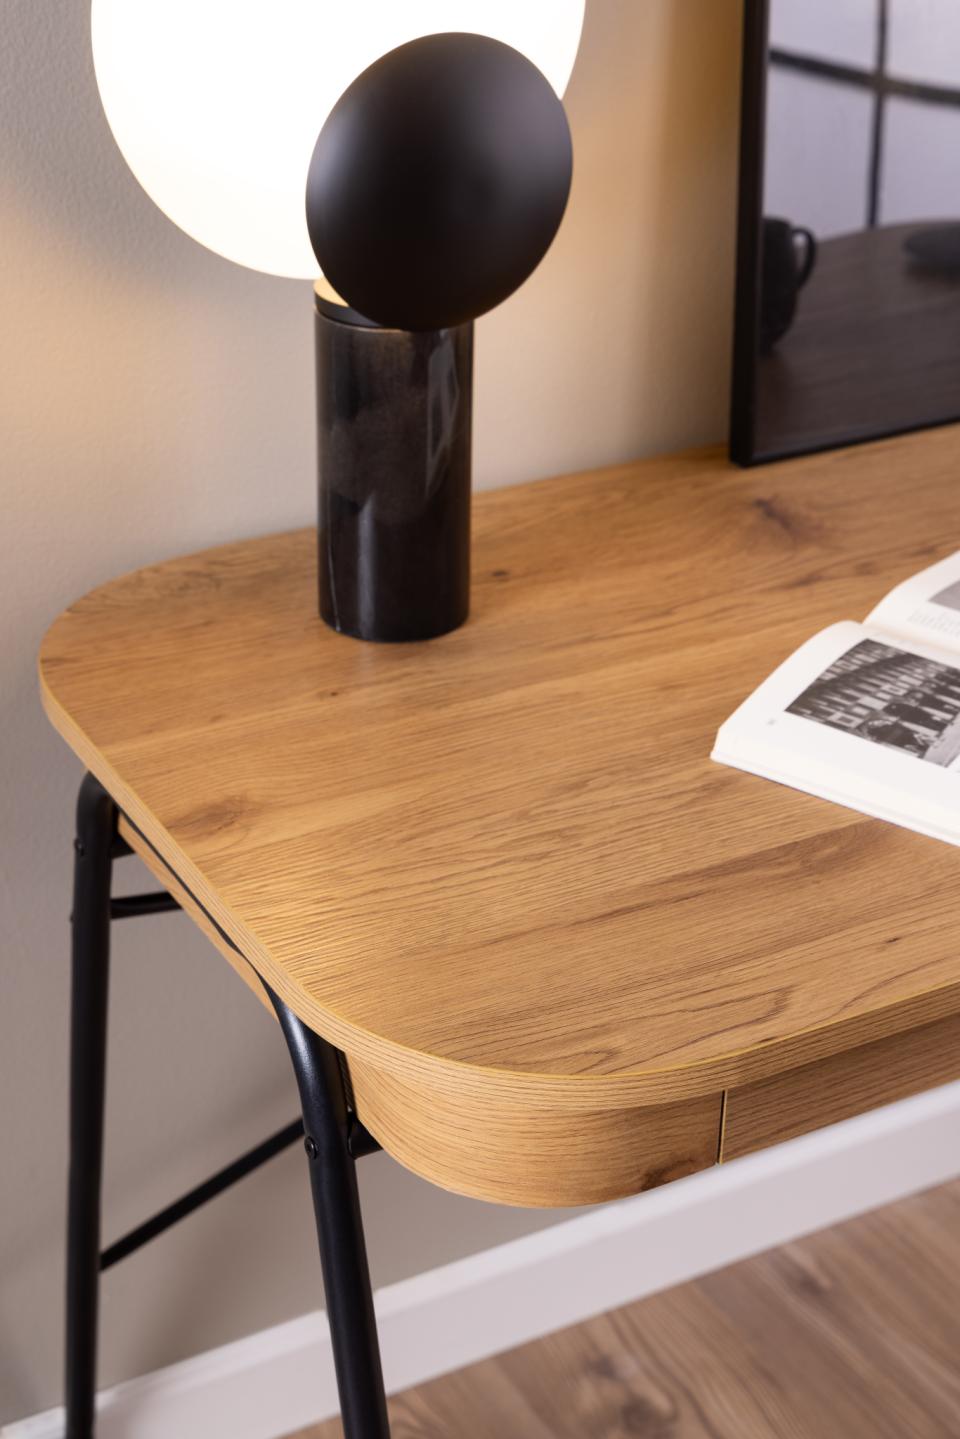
(789, 255)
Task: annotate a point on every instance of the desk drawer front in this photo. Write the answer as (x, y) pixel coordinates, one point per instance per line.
(801, 1100)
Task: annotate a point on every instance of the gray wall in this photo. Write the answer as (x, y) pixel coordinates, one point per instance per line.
(155, 399)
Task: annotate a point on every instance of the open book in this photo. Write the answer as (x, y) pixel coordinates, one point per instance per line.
(868, 715)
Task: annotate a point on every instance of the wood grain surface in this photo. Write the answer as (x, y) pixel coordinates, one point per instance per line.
(853, 1333)
(500, 864)
(171, 882)
(804, 1099)
(512, 1153)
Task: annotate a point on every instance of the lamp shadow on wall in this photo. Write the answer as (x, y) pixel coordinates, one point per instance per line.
(634, 303)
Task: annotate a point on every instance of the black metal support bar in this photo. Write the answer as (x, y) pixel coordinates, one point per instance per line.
(95, 846)
(201, 1194)
(132, 906)
(360, 1141)
(336, 1203)
(335, 1139)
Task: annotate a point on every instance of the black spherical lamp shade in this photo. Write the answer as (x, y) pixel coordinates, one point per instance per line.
(438, 181)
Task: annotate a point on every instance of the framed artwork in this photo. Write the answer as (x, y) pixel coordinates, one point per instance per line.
(848, 270)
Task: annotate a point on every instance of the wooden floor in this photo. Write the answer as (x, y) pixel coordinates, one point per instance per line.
(853, 1333)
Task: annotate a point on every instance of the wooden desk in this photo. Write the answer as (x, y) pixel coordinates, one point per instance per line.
(566, 957)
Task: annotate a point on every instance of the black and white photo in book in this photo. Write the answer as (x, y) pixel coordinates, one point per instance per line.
(949, 598)
(893, 680)
(891, 697)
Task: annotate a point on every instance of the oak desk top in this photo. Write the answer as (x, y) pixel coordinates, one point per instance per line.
(498, 869)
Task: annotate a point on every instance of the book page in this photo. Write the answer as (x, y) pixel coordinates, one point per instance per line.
(856, 718)
(924, 607)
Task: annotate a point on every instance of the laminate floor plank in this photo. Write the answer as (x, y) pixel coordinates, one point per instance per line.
(852, 1333)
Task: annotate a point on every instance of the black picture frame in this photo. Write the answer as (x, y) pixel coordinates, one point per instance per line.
(747, 446)
(746, 324)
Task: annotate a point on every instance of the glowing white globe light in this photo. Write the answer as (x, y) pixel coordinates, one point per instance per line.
(216, 105)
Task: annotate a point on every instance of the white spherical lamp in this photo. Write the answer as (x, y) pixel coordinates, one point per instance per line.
(216, 105)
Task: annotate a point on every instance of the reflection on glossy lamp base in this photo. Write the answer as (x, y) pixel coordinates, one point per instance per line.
(394, 412)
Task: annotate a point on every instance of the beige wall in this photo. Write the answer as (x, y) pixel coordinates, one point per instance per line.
(155, 399)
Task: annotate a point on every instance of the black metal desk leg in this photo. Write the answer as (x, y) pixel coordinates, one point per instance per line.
(96, 832)
(336, 1203)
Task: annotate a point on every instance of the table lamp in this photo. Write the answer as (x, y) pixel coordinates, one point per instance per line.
(411, 157)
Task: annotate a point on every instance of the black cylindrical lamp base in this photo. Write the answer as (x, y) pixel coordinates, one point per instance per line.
(394, 414)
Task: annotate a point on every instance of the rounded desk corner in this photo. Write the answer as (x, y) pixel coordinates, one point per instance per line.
(530, 1154)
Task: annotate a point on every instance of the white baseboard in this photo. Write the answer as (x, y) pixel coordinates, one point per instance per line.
(282, 1379)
